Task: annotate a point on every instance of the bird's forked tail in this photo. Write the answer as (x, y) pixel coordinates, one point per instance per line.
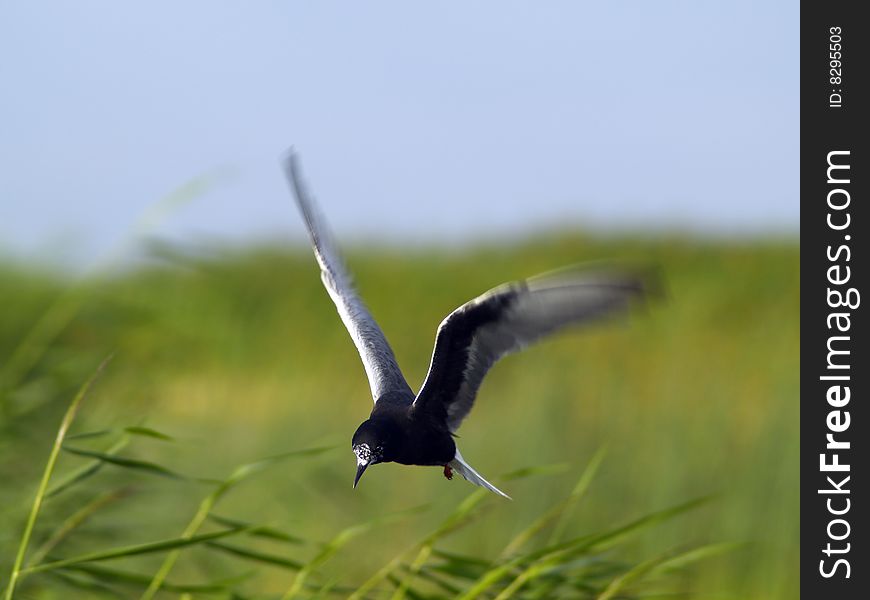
(463, 468)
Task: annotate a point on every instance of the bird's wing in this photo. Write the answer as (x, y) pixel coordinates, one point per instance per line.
(377, 356)
(506, 319)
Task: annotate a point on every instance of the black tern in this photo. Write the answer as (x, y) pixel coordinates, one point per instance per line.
(419, 429)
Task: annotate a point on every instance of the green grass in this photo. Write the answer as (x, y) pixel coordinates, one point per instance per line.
(224, 358)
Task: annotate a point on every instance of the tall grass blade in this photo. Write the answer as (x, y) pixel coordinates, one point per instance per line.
(464, 513)
(379, 576)
(89, 585)
(46, 476)
(208, 503)
(430, 575)
(90, 434)
(460, 517)
(103, 573)
(256, 555)
(577, 494)
(694, 555)
(87, 470)
(454, 520)
(135, 550)
(337, 543)
(461, 566)
(557, 512)
(617, 585)
(405, 583)
(490, 578)
(125, 462)
(535, 471)
(661, 564)
(262, 531)
(610, 538)
(75, 520)
(541, 561)
(149, 432)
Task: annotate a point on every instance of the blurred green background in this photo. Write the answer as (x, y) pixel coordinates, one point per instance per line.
(239, 354)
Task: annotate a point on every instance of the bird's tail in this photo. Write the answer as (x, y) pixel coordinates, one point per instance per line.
(463, 468)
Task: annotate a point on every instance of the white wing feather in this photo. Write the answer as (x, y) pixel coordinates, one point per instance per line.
(380, 364)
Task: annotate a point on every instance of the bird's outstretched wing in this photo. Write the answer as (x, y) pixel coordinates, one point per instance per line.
(377, 356)
(506, 319)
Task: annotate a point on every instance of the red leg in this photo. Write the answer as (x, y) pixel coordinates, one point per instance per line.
(448, 472)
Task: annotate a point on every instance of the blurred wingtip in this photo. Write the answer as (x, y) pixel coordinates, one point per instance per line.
(643, 280)
(290, 161)
(293, 172)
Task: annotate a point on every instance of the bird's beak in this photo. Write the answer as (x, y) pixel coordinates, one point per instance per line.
(360, 469)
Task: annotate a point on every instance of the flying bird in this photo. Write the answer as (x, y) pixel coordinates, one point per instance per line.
(419, 429)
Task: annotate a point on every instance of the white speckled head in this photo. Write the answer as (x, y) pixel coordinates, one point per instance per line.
(363, 453)
(371, 445)
(365, 456)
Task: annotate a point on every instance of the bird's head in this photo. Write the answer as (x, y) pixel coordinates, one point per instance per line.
(373, 443)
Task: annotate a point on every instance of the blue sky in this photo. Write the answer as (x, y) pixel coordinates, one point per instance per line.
(440, 122)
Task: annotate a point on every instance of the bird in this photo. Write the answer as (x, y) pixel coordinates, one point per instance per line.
(420, 429)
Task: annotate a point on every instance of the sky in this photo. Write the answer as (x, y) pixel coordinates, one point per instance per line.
(440, 122)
